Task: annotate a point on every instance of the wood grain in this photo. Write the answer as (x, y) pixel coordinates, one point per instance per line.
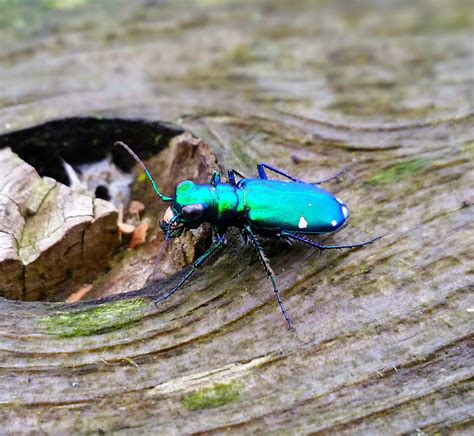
(383, 335)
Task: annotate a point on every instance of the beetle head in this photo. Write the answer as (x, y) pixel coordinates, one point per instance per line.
(191, 207)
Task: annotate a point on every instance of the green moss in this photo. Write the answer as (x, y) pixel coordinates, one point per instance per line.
(399, 172)
(213, 3)
(141, 178)
(94, 320)
(65, 4)
(242, 55)
(30, 18)
(215, 396)
(383, 104)
(468, 148)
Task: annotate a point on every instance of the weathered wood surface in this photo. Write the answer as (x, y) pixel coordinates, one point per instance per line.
(46, 231)
(383, 336)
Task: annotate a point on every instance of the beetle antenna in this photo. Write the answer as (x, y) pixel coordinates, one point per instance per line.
(155, 188)
(159, 256)
(163, 247)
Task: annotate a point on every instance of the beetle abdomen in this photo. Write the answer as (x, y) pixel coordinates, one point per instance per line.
(297, 207)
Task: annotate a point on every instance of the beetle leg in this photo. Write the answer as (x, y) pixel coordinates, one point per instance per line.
(215, 179)
(327, 247)
(268, 270)
(231, 176)
(263, 175)
(217, 244)
(335, 176)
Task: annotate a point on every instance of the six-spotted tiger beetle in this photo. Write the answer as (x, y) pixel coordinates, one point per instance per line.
(258, 206)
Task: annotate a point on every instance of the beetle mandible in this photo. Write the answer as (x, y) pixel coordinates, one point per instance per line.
(256, 206)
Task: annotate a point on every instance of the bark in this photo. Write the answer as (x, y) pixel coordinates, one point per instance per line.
(383, 335)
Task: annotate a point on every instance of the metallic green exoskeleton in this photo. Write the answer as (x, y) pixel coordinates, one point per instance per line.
(258, 206)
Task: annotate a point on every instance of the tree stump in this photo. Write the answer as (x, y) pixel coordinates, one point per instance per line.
(383, 335)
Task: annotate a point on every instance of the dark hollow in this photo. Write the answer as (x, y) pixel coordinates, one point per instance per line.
(102, 192)
(86, 140)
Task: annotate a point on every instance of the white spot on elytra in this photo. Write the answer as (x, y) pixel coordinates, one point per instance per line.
(334, 223)
(302, 224)
(309, 204)
(345, 212)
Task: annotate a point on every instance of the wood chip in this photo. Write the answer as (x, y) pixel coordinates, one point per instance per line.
(136, 207)
(126, 229)
(78, 295)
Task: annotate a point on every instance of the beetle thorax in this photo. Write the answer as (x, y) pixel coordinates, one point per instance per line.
(229, 202)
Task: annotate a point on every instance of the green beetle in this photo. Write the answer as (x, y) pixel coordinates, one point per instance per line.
(257, 206)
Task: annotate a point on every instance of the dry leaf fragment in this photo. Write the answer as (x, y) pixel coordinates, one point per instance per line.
(139, 235)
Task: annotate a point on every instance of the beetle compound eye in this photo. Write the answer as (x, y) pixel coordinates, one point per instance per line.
(192, 212)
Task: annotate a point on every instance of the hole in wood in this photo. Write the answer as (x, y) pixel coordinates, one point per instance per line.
(55, 240)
